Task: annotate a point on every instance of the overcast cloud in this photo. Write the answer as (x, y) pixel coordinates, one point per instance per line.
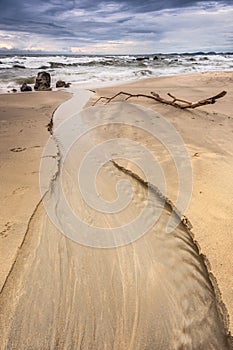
(121, 26)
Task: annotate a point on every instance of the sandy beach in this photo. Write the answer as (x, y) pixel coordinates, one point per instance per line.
(155, 290)
(24, 119)
(207, 132)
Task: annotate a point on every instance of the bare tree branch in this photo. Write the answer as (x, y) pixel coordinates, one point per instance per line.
(176, 102)
(177, 99)
(109, 99)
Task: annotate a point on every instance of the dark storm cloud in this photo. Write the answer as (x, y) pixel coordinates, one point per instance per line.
(44, 13)
(147, 5)
(90, 21)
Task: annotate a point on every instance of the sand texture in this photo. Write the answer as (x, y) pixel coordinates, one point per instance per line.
(94, 277)
(208, 136)
(24, 119)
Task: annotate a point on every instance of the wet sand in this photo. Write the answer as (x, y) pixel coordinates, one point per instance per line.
(155, 292)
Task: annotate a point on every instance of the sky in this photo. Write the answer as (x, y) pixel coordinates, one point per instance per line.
(116, 27)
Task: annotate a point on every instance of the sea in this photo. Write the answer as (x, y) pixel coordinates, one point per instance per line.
(96, 70)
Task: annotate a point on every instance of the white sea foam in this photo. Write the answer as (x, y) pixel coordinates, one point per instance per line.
(92, 71)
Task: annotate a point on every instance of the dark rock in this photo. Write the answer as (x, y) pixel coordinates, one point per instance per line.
(44, 67)
(155, 58)
(142, 58)
(43, 81)
(25, 87)
(1, 62)
(18, 66)
(14, 90)
(61, 83)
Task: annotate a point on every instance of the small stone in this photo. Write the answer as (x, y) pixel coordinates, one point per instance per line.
(25, 88)
(61, 83)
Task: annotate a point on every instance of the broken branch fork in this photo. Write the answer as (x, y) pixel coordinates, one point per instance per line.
(176, 102)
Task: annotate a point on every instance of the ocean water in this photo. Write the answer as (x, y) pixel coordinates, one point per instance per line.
(93, 71)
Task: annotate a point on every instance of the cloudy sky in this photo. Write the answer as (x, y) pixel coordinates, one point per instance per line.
(116, 26)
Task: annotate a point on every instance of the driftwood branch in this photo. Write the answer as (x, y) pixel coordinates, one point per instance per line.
(175, 102)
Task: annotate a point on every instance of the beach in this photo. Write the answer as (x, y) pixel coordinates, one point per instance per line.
(155, 290)
(207, 132)
(24, 120)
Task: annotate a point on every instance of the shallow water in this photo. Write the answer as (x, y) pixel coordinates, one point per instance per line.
(152, 293)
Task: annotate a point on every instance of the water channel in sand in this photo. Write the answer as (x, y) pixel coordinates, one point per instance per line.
(66, 293)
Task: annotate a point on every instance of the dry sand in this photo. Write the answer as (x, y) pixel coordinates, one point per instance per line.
(62, 295)
(23, 120)
(208, 136)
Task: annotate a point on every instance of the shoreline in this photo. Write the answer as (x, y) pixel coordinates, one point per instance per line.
(208, 227)
(107, 68)
(105, 85)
